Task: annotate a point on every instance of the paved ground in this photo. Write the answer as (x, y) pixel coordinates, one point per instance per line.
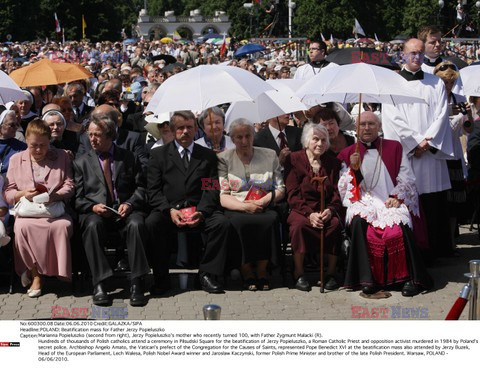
(279, 303)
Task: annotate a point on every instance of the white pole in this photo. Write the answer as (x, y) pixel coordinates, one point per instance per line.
(290, 16)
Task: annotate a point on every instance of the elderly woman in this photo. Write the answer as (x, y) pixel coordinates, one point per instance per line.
(24, 105)
(461, 122)
(61, 138)
(250, 181)
(42, 245)
(338, 139)
(9, 145)
(306, 218)
(213, 121)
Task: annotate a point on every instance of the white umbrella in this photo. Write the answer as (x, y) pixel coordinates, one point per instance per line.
(471, 80)
(267, 105)
(287, 84)
(9, 90)
(352, 83)
(205, 86)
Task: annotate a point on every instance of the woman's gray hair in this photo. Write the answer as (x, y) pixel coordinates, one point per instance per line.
(311, 129)
(57, 113)
(238, 123)
(215, 110)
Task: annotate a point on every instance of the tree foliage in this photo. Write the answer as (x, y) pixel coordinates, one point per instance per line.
(30, 20)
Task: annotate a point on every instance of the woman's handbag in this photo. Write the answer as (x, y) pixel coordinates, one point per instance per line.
(28, 209)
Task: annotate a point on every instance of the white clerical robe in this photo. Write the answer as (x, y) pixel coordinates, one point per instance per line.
(411, 123)
(375, 188)
(308, 71)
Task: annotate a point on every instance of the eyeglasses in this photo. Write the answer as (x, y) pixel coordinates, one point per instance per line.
(444, 67)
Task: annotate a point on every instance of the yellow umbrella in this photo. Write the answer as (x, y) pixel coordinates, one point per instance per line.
(45, 72)
(166, 40)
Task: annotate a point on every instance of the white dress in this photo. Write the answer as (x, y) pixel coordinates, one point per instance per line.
(411, 123)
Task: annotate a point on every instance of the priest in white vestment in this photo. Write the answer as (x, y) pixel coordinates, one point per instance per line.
(426, 137)
(379, 197)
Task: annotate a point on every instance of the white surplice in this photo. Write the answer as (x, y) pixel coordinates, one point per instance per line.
(411, 123)
(375, 188)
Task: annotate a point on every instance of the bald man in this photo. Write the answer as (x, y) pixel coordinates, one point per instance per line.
(425, 134)
(126, 139)
(377, 187)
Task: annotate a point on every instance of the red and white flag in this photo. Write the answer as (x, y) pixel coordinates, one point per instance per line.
(57, 24)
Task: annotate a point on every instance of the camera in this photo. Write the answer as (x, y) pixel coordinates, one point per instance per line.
(463, 108)
(130, 96)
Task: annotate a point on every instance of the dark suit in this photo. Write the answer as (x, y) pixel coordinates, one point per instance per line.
(83, 114)
(170, 185)
(91, 189)
(136, 122)
(264, 138)
(127, 140)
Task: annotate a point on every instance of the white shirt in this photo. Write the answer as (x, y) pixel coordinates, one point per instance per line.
(275, 133)
(180, 149)
(411, 123)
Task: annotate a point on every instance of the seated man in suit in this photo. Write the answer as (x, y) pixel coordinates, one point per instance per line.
(107, 177)
(177, 173)
(125, 139)
(279, 136)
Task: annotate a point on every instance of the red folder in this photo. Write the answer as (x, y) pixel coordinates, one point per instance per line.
(255, 193)
(187, 213)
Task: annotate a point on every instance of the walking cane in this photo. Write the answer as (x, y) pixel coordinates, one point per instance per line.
(321, 180)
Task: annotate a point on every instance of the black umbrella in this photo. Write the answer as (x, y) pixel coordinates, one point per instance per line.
(460, 63)
(351, 55)
(401, 37)
(171, 67)
(169, 59)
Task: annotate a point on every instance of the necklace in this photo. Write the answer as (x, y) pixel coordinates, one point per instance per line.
(374, 181)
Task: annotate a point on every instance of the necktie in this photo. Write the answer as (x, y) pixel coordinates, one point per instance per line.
(78, 112)
(186, 160)
(107, 172)
(283, 140)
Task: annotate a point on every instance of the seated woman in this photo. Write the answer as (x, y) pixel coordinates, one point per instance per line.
(305, 220)
(9, 145)
(338, 139)
(42, 245)
(377, 186)
(213, 121)
(244, 171)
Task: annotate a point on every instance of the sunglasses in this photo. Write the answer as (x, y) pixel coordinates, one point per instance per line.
(444, 67)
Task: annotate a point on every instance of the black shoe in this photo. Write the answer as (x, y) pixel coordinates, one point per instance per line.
(100, 297)
(369, 290)
(410, 289)
(302, 284)
(209, 284)
(161, 286)
(122, 266)
(137, 293)
(331, 283)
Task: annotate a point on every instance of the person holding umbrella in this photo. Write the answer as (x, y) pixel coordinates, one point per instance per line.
(307, 221)
(213, 122)
(317, 54)
(379, 196)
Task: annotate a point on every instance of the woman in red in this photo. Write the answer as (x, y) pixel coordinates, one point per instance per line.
(305, 219)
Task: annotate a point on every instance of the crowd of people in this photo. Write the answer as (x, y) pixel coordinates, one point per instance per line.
(84, 160)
